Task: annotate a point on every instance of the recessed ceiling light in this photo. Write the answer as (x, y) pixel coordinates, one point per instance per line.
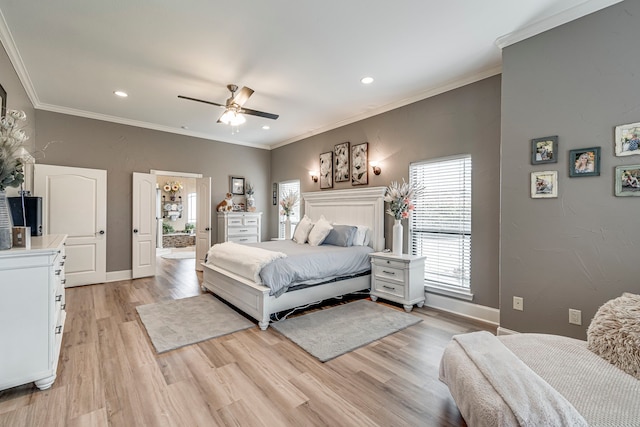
(121, 93)
(185, 127)
(266, 127)
(366, 80)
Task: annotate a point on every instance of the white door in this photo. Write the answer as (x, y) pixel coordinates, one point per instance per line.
(203, 221)
(74, 202)
(143, 223)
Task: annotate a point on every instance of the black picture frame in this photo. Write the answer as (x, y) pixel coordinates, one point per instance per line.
(360, 164)
(584, 162)
(326, 170)
(341, 162)
(275, 193)
(544, 150)
(3, 95)
(236, 185)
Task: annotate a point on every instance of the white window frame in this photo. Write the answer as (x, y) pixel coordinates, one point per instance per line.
(448, 183)
(283, 187)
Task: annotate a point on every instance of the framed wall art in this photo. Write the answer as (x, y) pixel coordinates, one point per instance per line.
(359, 156)
(341, 162)
(627, 139)
(584, 162)
(326, 170)
(3, 101)
(544, 150)
(544, 185)
(236, 185)
(628, 180)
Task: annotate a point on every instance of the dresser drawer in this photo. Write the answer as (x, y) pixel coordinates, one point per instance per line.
(391, 288)
(389, 263)
(244, 239)
(385, 272)
(251, 221)
(242, 231)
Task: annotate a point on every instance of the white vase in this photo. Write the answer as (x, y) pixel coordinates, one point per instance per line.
(287, 229)
(396, 249)
(251, 204)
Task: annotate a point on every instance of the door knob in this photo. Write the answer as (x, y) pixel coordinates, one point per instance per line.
(101, 231)
(135, 230)
(207, 229)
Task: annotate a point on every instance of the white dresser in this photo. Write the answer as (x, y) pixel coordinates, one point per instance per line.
(398, 278)
(239, 227)
(32, 312)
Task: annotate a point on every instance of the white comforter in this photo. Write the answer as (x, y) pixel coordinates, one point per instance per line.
(243, 260)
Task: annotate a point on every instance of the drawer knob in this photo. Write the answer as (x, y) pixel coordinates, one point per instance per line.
(58, 272)
(389, 287)
(63, 281)
(393, 273)
(63, 306)
(243, 231)
(58, 329)
(58, 298)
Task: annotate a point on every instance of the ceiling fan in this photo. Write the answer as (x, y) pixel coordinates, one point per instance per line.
(233, 113)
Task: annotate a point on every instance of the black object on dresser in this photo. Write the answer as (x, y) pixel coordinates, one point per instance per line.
(32, 210)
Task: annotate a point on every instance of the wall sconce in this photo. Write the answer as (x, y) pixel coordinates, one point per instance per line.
(375, 167)
(314, 176)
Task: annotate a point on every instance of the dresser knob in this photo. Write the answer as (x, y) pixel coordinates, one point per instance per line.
(58, 298)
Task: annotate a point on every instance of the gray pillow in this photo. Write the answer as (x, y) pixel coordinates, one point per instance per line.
(341, 235)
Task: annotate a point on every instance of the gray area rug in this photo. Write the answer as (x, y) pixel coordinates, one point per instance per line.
(329, 333)
(176, 323)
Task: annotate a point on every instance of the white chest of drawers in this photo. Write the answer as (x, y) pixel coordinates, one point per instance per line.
(398, 278)
(32, 312)
(239, 227)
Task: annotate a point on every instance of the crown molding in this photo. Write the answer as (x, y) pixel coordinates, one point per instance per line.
(556, 20)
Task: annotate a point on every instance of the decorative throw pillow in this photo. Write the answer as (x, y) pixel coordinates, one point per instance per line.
(614, 333)
(319, 231)
(341, 235)
(302, 230)
(360, 238)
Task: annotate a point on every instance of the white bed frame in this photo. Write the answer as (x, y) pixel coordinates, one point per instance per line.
(363, 206)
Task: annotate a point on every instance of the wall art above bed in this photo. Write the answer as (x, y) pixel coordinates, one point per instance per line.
(341, 162)
(326, 170)
(359, 155)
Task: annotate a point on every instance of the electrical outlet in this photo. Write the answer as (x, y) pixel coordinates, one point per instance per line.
(518, 303)
(575, 317)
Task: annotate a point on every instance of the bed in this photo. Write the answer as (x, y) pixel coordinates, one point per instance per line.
(541, 379)
(354, 207)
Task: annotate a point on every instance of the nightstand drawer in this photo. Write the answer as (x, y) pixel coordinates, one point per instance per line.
(244, 239)
(389, 263)
(388, 273)
(391, 288)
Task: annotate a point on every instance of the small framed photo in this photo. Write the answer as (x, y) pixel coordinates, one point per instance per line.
(584, 162)
(326, 170)
(341, 162)
(628, 180)
(359, 164)
(544, 185)
(237, 185)
(544, 150)
(627, 139)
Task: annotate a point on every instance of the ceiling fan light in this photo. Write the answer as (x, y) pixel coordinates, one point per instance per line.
(232, 118)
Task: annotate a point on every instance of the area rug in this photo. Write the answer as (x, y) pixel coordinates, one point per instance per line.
(176, 323)
(180, 255)
(327, 334)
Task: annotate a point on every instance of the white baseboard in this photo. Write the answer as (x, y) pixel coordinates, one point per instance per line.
(463, 308)
(505, 331)
(114, 276)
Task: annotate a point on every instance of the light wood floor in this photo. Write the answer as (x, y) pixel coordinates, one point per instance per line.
(110, 375)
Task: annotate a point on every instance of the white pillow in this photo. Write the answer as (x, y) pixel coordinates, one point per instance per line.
(319, 232)
(362, 236)
(302, 230)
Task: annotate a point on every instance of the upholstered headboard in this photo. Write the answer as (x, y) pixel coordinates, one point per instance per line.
(362, 206)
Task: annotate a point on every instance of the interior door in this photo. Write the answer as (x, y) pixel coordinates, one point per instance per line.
(203, 222)
(74, 202)
(144, 229)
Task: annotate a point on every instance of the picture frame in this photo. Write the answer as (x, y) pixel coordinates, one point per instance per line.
(544, 184)
(359, 164)
(341, 162)
(326, 170)
(584, 162)
(627, 139)
(627, 181)
(275, 194)
(3, 102)
(544, 150)
(236, 185)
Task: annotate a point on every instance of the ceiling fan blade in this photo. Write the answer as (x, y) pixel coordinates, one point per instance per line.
(242, 96)
(259, 113)
(201, 100)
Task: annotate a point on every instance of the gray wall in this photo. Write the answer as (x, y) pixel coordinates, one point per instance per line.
(122, 150)
(577, 81)
(465, 120)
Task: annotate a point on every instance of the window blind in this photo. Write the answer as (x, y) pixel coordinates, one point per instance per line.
(440, 225)
(286, 187)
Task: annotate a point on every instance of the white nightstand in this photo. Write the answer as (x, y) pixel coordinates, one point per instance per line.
(398, 278)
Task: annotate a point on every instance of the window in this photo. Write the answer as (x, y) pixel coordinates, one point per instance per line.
(285, 188)
(191, 208)
(440, 226)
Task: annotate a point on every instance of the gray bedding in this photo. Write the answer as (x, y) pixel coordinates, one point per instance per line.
(307, 264)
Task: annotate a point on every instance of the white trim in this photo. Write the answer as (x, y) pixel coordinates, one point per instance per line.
(505, 331)
(450, 291)
(462, 308)
(182, 174)
(556, 20)
(116, 276)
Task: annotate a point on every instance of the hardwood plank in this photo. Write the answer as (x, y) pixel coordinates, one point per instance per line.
(96, 418)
